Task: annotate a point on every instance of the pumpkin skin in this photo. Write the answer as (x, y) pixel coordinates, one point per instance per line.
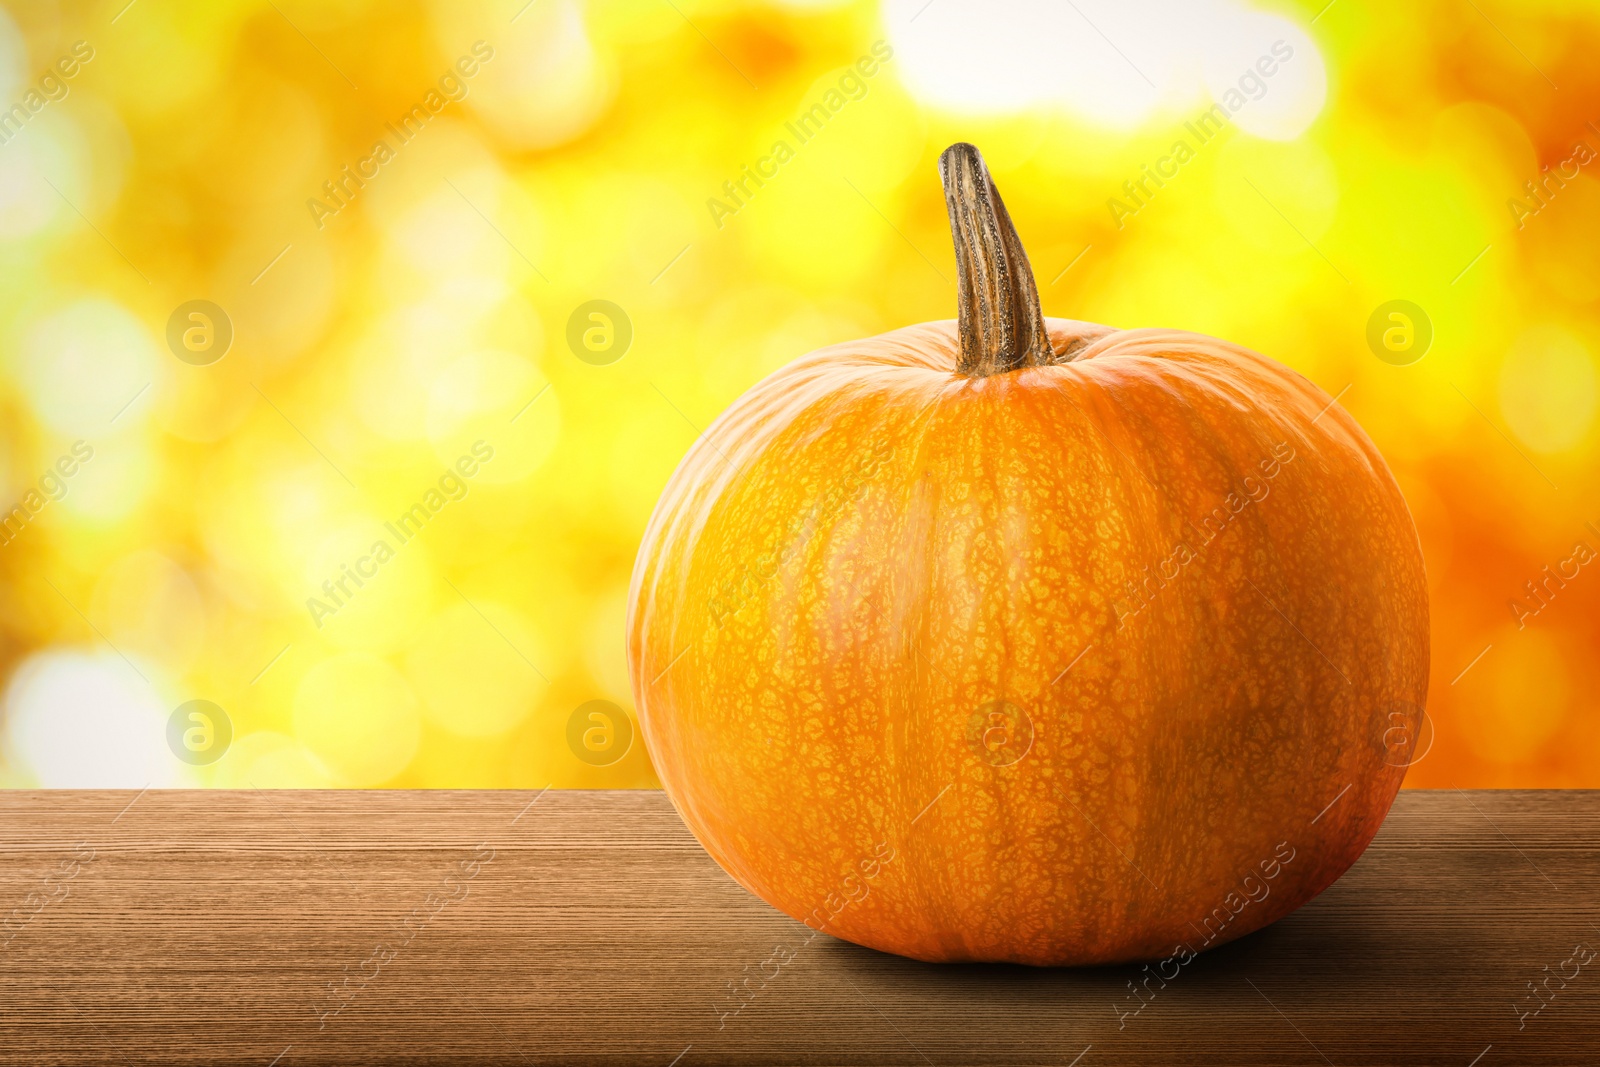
(919, 661)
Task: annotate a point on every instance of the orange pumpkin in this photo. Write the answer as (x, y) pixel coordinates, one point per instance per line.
(1028, 639)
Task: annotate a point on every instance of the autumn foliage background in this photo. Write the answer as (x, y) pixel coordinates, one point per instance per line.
(374, 345)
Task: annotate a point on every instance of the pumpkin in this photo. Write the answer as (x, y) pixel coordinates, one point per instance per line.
(1032, 640)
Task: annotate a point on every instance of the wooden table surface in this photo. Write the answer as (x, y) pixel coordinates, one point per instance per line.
(589, 927)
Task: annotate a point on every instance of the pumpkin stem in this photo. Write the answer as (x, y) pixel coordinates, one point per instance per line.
(1001, 324)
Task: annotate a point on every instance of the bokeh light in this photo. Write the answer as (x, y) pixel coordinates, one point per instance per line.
(389, 530)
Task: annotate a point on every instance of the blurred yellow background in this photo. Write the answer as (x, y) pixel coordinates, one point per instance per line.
(395, 218)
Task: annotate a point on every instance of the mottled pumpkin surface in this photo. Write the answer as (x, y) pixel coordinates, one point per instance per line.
(1070, 664)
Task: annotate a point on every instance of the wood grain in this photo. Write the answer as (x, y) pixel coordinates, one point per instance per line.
(245, 927)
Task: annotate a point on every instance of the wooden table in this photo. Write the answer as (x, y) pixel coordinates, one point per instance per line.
(589, 927)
